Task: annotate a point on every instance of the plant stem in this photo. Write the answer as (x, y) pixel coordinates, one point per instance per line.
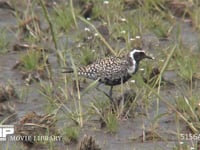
(73, 14)
(46, 15)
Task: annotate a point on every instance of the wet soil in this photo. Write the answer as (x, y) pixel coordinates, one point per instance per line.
(130, 131)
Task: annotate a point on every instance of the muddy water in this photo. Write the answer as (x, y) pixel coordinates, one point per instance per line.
(128, 129)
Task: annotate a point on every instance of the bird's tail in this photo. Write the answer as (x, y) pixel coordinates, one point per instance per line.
(68, 70)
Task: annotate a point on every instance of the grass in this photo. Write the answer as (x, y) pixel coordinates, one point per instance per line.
(107, 117)
(125, 30)
(161, 28)
(106, 9)
(195, 17)
(3, 42)
(71, 134)
(48, 92)
(152, 16)
(183, 146)
(188, 105)
(111, 123)
(63, 19)
(159, 25)
(87, 56)
(187, 66)
(31, 60)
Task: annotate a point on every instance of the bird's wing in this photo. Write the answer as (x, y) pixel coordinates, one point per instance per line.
(104, 68)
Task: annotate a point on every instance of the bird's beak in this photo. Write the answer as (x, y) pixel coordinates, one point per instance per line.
(149, 57)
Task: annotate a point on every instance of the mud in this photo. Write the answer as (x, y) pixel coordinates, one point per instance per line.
(130, 131)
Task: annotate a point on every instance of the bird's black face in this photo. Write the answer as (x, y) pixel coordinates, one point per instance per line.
(139, 55)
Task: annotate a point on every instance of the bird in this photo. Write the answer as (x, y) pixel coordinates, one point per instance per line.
(112, 70)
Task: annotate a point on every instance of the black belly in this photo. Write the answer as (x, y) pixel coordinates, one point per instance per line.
(115, 81)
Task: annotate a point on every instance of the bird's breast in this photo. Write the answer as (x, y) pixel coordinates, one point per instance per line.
(115, 81)
(132, 69)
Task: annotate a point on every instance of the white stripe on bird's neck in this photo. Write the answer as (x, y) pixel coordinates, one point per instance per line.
(132, 69)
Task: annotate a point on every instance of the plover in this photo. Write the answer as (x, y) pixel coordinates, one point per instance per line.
(112, 70)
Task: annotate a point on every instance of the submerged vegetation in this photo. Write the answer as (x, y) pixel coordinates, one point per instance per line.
(161, 103)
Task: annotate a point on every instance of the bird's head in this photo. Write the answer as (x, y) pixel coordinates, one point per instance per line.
(138, 54)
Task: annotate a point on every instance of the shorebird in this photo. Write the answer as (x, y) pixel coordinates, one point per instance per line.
(112, 70)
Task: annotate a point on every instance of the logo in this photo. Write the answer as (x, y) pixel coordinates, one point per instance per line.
(6, 130)
(7, 134)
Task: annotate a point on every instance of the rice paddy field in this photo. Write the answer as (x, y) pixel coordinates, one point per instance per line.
(157, 109)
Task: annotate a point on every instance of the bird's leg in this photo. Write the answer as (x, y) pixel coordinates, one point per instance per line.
(97, 87)
(110, 92)
(108, 95)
